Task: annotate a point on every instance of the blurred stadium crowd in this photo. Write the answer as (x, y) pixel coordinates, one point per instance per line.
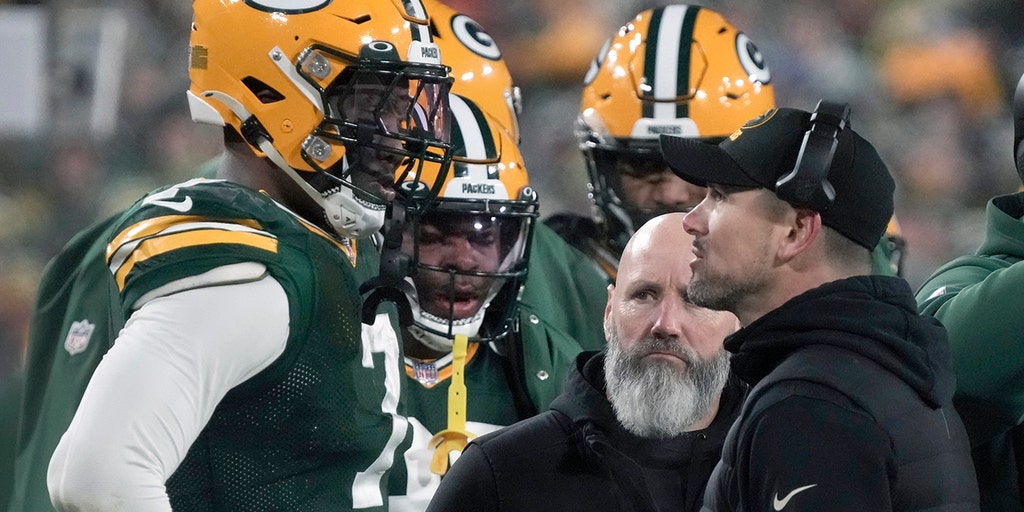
(930, 81)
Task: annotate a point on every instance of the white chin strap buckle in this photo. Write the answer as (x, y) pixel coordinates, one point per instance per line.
(351, 217)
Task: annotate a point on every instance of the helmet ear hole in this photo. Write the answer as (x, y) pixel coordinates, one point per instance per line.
(262, 91)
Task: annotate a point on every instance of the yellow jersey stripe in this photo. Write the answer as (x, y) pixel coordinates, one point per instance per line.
(118, 254)
(156, 225)
(157, 245)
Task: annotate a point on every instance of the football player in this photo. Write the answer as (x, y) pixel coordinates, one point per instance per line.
(242, 378)
(681, 70)
(486, 269)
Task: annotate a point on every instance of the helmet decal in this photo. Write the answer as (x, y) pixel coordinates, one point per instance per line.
(422, 48)
(752, 60)
(288, 6)
(471, 137)
(474, 38)
(415, 9)
(473, 141)
(477, 65)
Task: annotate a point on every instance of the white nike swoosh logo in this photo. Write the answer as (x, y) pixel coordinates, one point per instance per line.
(180, 206)
(778, 504)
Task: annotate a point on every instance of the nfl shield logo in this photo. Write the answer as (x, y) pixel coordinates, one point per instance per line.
(78, 336)
(425, 372)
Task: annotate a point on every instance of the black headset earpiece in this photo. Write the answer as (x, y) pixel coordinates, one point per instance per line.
(807, 184)
(1018, 127)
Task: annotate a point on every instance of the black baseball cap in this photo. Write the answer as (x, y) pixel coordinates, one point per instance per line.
(766, 149)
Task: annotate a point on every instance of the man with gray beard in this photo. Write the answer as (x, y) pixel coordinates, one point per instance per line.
(653, 398)
(640, 427)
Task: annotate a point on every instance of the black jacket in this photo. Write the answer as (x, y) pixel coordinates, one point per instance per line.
(577, 456)
(850, 408)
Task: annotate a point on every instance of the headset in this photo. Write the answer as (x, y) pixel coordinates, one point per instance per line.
(1018, 127)
(807, 184)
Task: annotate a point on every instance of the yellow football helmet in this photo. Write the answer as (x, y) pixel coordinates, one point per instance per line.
(477, 66)
(887, 257)
(486, 199)
(336, 94)
(677, 69)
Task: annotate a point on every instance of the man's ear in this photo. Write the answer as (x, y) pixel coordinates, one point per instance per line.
(804, 229)
(607, 311)
(608, 303)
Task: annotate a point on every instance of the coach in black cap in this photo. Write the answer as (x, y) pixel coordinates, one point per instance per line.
(850, 406)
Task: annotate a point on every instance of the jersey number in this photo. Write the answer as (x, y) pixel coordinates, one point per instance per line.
(381, 338)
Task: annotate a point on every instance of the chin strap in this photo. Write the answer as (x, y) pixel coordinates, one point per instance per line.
(455, 437)
(346, 216)
(394, 267)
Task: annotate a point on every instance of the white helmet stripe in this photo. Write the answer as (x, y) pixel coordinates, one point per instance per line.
(420, 32)
(469, 129)
(666, 71)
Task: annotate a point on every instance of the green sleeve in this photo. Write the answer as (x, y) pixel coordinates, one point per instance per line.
(561, 312)
(565, 289)
(980, 300)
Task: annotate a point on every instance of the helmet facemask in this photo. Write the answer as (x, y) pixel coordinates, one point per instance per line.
(388, 118)
(471, 258)
(619, 173)
(470, 249)
(279, 76)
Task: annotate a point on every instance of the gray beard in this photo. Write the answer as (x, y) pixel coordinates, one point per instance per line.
(652, 398)
(724, 293)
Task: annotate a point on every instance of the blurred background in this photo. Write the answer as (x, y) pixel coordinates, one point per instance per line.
(93, 111)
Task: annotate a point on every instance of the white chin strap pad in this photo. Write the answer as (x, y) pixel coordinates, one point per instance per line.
(425, 327)
(351, 218)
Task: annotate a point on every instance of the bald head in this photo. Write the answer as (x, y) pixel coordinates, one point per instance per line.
(665, 367)
(660, 241)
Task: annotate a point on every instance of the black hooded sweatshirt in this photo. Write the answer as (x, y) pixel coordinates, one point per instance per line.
(577, 456)
(850, 408)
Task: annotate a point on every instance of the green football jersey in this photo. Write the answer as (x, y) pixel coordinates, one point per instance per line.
(75, 319)
(318, 428)
(489, 406)
(560, 313)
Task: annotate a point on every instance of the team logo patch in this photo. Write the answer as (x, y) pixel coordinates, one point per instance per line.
(752, 60)
(78, 336)
(754, 123)
(425, 372)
